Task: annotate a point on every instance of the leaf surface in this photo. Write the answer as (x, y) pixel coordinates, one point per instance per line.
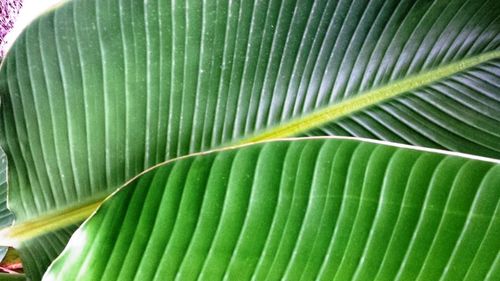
(6, 216)
(317, 209)
(95, 92)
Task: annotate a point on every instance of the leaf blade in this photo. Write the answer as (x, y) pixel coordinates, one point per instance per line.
(81, 82)
(291, 220)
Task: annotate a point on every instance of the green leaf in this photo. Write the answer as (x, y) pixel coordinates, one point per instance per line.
(96, 91)
(6, 217)
(12, 277)
(323, 209)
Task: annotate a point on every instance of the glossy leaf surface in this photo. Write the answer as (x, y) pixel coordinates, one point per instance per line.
(296, 210)
(96, 91)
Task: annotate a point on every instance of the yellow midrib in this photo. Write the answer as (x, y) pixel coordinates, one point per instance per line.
(44, 224)
(367, 99)
(29, 229)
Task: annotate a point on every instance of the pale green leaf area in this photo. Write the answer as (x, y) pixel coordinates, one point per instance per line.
(296, 210)
(95, 92)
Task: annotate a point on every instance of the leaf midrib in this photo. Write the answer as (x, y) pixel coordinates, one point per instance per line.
(369, 98)
(65, 217)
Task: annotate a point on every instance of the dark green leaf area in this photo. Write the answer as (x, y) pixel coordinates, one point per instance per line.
(6, 216)
(37, 253)
(296, 210)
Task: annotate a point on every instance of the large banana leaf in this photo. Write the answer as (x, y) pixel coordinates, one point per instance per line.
(96, 91)
(297, 210)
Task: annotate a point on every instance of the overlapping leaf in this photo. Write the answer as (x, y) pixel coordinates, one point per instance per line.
(98, 90)
(296, 210)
